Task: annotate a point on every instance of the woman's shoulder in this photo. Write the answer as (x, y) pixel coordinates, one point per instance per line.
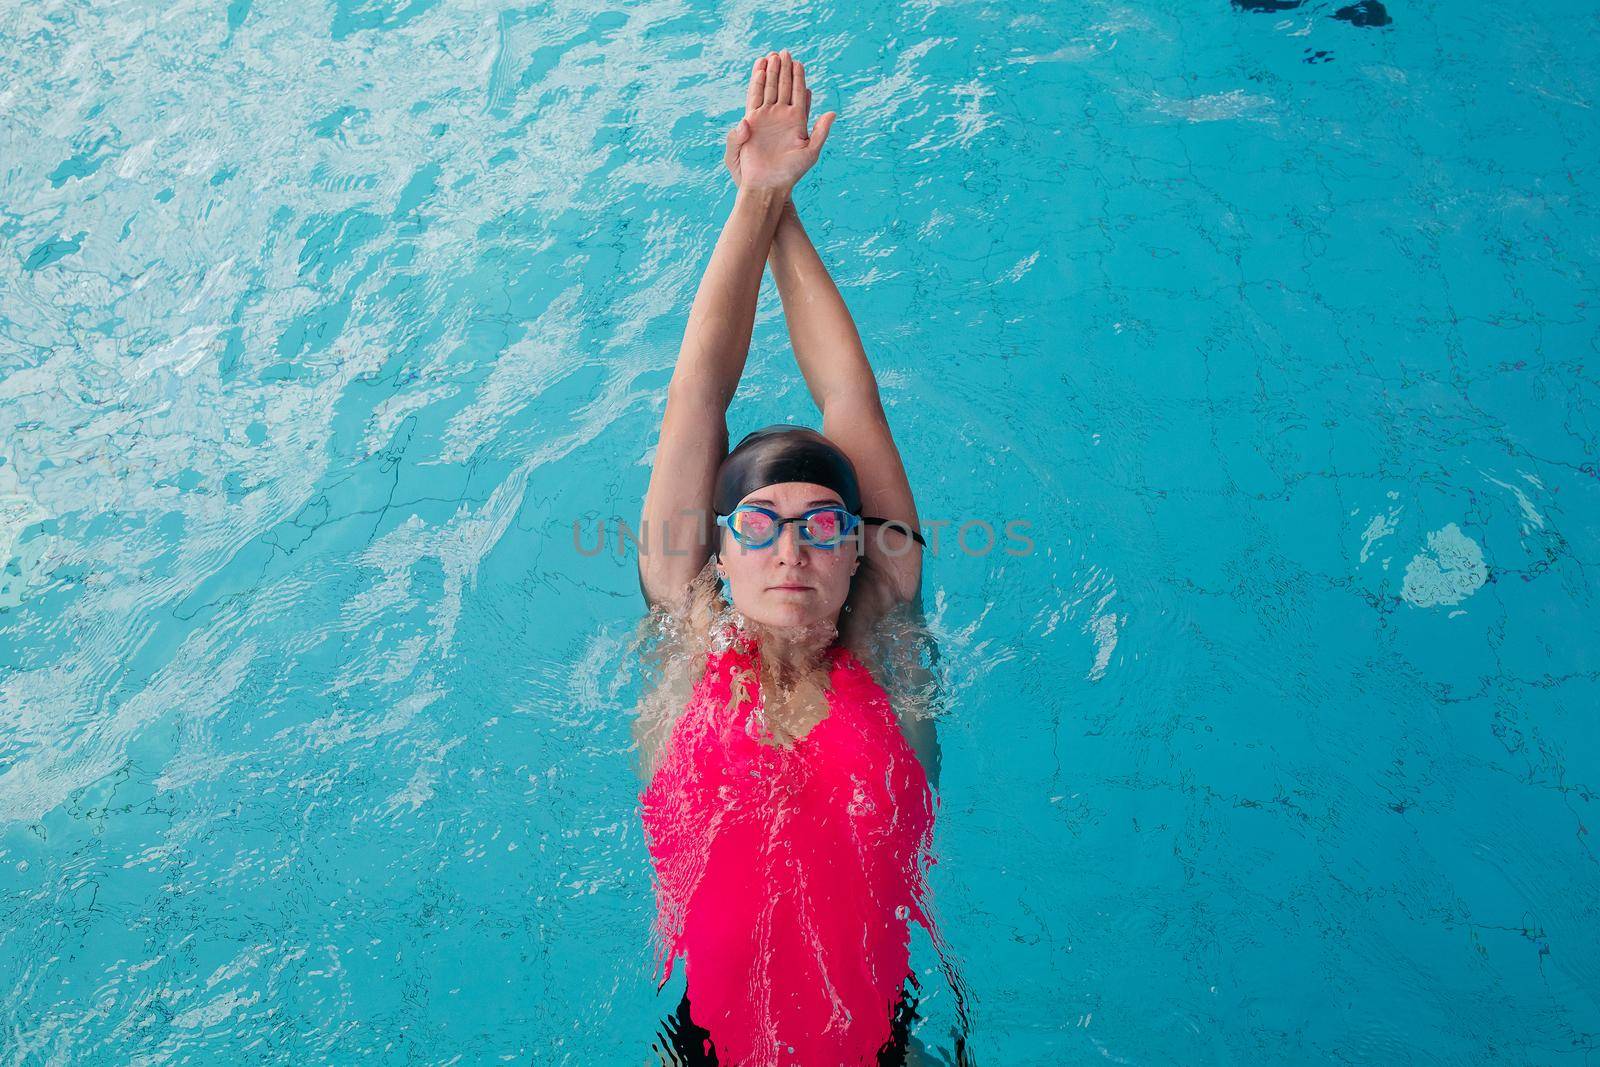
(688, 622)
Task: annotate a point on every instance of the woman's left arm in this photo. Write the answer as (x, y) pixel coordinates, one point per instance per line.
(834, 364)
(828, 348)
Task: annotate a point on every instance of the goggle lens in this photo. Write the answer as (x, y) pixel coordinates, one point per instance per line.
(825, 527)
(754, 527)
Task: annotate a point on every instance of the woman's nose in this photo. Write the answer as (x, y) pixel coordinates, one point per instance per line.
(789, 549)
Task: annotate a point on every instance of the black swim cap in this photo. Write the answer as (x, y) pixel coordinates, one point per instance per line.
(784, 453)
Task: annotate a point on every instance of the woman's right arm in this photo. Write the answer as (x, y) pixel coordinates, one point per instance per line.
(677, 527)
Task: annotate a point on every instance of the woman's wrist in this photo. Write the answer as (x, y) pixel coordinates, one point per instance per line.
(788, 229)
(769, 198)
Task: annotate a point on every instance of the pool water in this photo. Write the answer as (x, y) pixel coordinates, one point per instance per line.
(327, 329)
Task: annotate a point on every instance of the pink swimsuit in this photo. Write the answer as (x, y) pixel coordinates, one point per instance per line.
(786, 876)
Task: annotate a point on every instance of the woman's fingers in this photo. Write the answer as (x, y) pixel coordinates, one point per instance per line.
(736, 137)
(758, 85)
(801, 93)
(819, 135)
(769, 93)
(786, 79)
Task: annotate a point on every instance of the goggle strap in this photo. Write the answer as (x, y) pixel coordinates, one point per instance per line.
(903, 527)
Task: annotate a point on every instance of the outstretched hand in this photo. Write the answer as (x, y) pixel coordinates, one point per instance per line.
(769, 148)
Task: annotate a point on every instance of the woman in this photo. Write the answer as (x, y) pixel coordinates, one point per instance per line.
(787, 811)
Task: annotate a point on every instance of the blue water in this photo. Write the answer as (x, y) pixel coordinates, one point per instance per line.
(321, 326)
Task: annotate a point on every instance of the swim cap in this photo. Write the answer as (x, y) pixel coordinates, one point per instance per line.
(784, 453)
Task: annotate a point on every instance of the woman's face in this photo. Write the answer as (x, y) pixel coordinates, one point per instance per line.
(789, 583)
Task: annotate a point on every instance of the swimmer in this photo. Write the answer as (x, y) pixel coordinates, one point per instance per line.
(788, 807)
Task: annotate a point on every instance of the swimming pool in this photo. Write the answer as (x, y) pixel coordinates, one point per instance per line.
(324, 324)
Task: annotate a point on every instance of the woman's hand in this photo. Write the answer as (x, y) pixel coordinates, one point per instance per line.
(769, 148)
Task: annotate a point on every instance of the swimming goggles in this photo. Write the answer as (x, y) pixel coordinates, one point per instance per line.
(754, 526)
